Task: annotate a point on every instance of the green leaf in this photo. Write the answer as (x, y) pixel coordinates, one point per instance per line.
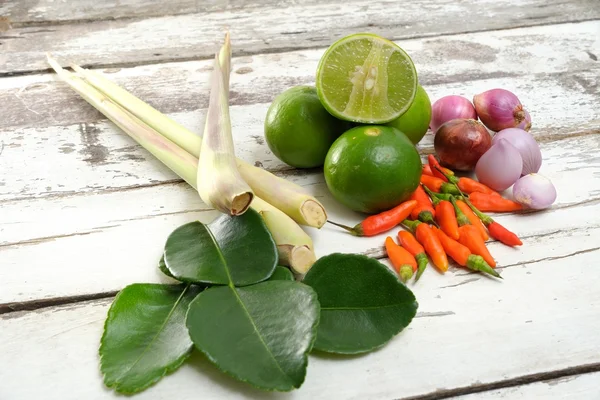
(282, 274)
(260, 334)
(163, 268)
(236, 249)
(363, 304)
(145, 336)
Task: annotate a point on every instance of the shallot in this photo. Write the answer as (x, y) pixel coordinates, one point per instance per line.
(499, 109)
(500, 167)
(534, 191)
(460, 142)
(527, 146)
(448, 108)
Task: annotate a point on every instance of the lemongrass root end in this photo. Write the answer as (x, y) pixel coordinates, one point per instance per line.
(299, 258)
(241, 203)
(314, 213)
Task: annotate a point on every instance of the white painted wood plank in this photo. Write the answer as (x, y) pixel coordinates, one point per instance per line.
(269, 29)
(576, 387)
(464, 335)
(565, 161)
(94, 157)
(31, 12)
(40, 100)
(102, 249)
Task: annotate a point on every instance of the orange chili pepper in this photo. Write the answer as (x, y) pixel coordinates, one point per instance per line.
(424, 210)
(410, 243)
(446, 217)
(427, 170)
(381, 222)
(485, 202)
(462, 255)
(430, 242)
(469, 186)
(474, 219)
(471, 238)
(438, 185)
(496, 230)
(404, 263)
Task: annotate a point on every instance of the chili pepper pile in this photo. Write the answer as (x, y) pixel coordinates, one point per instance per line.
(444, 218)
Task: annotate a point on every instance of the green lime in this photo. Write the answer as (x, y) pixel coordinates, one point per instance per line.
(415, 121)
(298, 130)
(372, 168)
(366, 78)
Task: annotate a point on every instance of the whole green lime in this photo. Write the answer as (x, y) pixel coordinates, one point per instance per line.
(415, 121)
(298, 129)
(372, 168)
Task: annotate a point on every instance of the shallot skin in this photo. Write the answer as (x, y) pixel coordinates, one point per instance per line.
(460, 143)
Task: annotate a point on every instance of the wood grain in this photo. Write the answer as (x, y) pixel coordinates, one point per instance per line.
(445, 64)
(270, 29)
(102, 248)
(462, 336)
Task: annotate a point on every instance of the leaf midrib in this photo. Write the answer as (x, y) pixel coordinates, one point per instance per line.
(221, 256)
(238, 298)
(155, 336)
(365, 308)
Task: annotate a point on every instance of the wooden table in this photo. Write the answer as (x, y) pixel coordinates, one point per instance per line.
(84, 211)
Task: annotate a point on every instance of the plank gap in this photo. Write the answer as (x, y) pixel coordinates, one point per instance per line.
(507, 383)
(52, 302)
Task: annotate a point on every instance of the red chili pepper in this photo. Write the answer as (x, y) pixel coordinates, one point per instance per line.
(438, 185)
(430, 242)
(447, 175)
(496, 230)
(410, 243)
(381, 222)
(404, 263)
(427, 170)
(424, 210)
(469, 186)
(462, 255)
(435, 168)
(470, 237)
(486, 202)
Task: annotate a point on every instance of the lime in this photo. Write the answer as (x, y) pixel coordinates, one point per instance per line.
(415, 121)
(372, 168)
(366, 78)
(298, 130)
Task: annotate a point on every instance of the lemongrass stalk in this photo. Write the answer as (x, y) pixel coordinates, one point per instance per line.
(219, 183)
(164, 125)
(281, 193)
(173, 156)
(295, 247)
(285, 195)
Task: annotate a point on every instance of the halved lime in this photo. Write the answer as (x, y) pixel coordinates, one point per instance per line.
(367, 79)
